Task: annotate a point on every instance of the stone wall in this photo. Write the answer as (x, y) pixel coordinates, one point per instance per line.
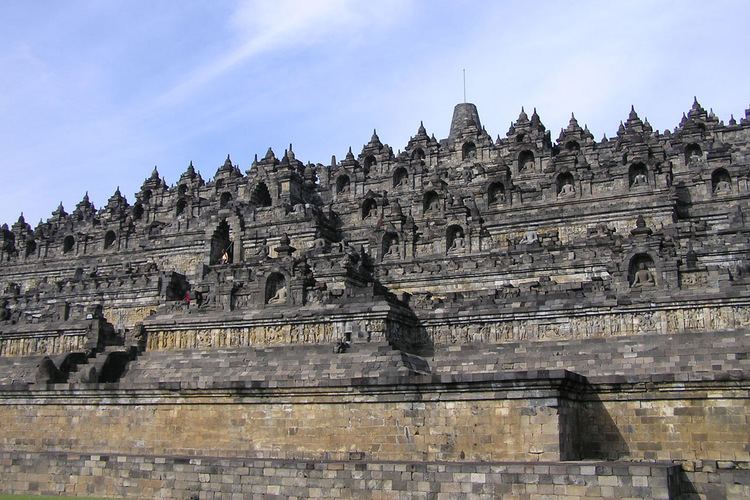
(511, 419)
(529, 416)
(428, 305)
(685, 422)
(127, 476)
(476, 326)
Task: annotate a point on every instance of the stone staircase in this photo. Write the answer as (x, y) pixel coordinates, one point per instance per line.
(104, 366)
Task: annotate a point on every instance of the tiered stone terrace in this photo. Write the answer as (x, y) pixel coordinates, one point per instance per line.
(466, 317)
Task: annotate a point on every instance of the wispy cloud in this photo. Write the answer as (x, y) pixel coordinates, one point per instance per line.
(264, 26)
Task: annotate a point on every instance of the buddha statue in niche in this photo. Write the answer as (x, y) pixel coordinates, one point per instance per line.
(643, 277)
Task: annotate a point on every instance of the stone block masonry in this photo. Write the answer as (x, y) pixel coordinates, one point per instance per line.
(134, 476)
(470, 317)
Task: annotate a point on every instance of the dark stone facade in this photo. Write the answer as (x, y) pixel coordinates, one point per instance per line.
(624, 260)
(494, 230)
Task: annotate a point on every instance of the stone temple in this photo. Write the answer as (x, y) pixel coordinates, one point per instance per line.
(466, 318)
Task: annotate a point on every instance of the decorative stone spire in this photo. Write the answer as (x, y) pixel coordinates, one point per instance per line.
(647, 127)
(59, 212)
(522, 117)
(226, 167)
(621, 130)
(640, 227)
(573, 123)
(349, 154)
(285, 158)
(116, 201)
(155, 174)
(697, 113)
(419, 140)
(21, 229)
(535, 118)
(587, 133)
(375, 139)
(85, 209)
(284, 249)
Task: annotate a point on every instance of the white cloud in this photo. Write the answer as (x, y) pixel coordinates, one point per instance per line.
(263, 26)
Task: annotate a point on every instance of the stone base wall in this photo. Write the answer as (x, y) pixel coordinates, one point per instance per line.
(128, 476)
(682, 425)
(552, 417)
(505, 424)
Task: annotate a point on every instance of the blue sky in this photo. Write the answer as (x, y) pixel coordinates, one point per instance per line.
(94, 93)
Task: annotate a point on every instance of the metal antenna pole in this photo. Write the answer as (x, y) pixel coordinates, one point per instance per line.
(464, 85)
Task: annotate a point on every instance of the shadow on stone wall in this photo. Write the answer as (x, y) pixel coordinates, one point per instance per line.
(687, 490)
(599, 436)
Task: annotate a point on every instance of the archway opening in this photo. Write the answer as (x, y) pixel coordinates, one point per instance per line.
(400, 177)
(137, 211)
(370, 162)
(225, 199)
(642, 271)
(390, 245)
(525, 161)
(469, 151)
(30, 248)
(109, 239)
(693, 153)
(68, 244)
(261, 196)
(276, 289)
(565, 185)
(369, 209)
(638, 175)
(431, 202)
(454, 238)
(721, 182)
(221, 245)
(496, 193)
(180, 207)
(342, 184)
